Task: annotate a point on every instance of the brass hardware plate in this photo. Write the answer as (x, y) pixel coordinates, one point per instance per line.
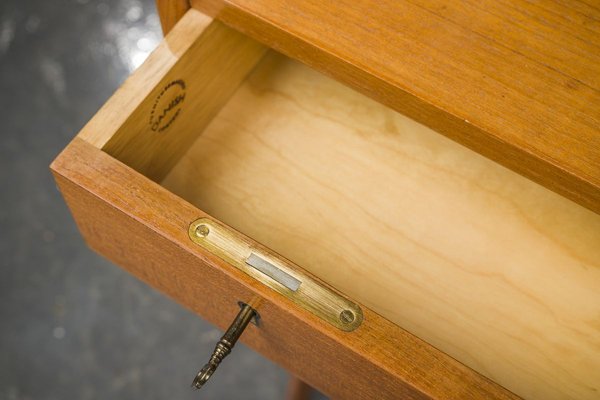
(277, 273)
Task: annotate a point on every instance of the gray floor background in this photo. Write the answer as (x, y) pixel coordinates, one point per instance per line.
(72, 325)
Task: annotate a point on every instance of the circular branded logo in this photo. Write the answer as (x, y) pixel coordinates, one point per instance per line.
(167, 106)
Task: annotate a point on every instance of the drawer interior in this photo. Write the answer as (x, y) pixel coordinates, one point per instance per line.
(491, 268)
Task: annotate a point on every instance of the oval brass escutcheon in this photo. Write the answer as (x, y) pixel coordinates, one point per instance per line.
(277, 273)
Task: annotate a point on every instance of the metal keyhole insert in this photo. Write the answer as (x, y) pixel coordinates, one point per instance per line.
(225, 344)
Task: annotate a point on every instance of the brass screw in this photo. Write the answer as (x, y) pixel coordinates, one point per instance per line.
(347, 317)
(202, 230)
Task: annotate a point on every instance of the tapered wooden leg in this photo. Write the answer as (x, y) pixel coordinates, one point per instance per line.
(298, 390)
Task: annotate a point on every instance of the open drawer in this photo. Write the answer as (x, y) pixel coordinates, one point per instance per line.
(471, 279)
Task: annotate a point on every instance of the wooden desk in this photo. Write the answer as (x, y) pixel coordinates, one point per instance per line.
(474, 281)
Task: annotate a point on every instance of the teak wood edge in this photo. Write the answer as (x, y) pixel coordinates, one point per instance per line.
(143, 227)
(171, 11)
(555, 144)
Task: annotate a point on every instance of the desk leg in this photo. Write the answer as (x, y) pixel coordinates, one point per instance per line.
(298, 390)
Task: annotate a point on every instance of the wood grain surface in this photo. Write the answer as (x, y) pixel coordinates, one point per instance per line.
(495, 270)
(143, 227)
(516, 80)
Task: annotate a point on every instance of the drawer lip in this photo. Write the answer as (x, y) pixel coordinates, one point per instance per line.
(379, 358)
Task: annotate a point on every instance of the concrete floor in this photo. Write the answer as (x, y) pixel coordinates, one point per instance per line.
(72, 325)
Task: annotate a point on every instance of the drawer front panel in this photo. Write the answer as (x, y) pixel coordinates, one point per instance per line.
(144, 228)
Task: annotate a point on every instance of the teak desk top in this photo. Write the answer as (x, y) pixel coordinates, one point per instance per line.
(516, 80)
